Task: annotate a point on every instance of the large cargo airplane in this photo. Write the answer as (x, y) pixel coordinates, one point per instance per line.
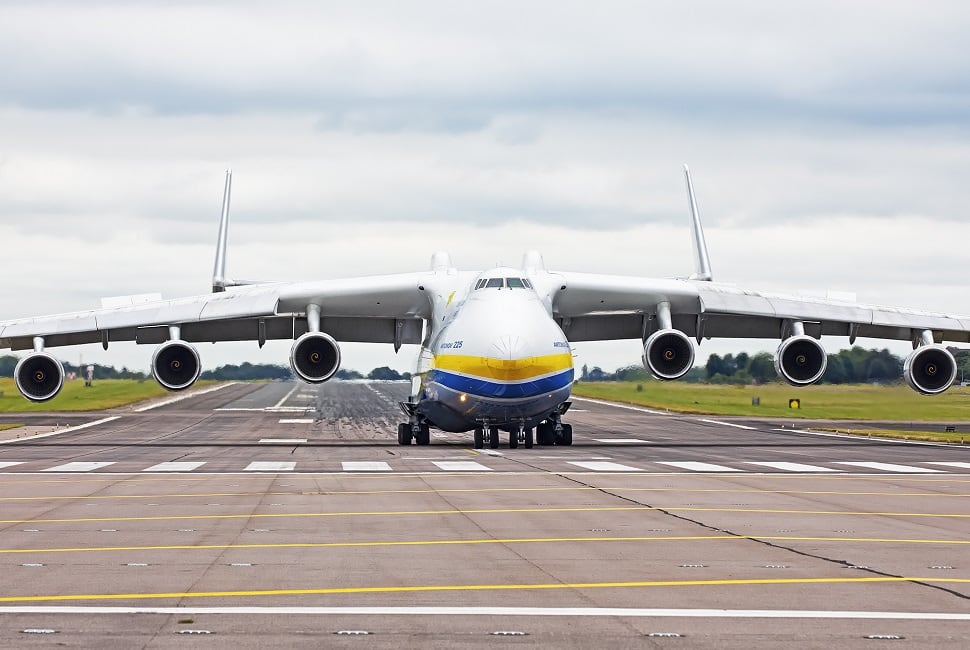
(495, 345)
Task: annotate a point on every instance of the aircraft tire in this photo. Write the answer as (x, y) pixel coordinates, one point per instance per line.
(493, 437)
(479, 438)
(513, 439)
(424, 435)
(566, 437)
(528, 438)
(545, 434)
(404, 434)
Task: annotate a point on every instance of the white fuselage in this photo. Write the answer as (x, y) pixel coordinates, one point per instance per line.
(494, 357)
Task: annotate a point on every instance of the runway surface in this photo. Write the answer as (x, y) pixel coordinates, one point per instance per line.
(281, 515)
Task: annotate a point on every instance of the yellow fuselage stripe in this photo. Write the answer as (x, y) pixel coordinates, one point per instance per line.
(504, 369)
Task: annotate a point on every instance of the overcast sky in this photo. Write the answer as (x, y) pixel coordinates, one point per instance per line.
(829, 143)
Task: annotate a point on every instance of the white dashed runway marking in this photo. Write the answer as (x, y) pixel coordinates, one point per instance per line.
(269, 466)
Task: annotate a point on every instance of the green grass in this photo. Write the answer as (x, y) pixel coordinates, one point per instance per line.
(859, 402)
(4, 427)
(104, 394)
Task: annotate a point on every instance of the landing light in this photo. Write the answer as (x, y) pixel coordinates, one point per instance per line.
(462, 397)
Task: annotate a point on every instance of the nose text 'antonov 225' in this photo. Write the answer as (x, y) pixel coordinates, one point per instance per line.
(495, 345)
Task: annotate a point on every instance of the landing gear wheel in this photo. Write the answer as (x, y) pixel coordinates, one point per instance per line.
(545, 434)
(424, 435)
(404, 434)
(479, 438)
(566, 437)
(528, 439)
(493, 437)
(513, 439)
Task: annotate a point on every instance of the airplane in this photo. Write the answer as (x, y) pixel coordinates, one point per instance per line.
(495, 349)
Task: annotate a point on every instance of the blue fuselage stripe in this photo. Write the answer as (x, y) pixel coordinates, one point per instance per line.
(498, 390)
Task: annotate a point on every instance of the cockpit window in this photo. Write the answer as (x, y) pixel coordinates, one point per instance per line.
(479, 284)
(494, 283)
(527, 283)
(514, 283)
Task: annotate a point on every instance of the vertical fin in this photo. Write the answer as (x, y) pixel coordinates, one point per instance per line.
(219, 281)
(702, 262)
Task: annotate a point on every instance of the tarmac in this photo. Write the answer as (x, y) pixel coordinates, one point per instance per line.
(284, 515)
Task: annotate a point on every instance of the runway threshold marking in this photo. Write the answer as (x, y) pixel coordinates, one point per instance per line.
(558, 586)
(602, 466)
(793, 467)
(175, 466)
(488, 511)
(365, 466)
(461, 466)
(78, 466)
(475, 542)
(694, 466)
(893, 467)
(269, 466)
(496, 611)
(10, 463)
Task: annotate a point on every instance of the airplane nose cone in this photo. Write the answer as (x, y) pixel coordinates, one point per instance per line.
(509, 348)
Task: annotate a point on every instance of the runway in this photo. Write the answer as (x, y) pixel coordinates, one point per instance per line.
(280, 515)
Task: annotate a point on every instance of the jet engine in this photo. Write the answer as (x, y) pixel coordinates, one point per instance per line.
(800, 360)
(315, 357)
(176, 365)
(39, 377)
(930, 369)
(668, 354)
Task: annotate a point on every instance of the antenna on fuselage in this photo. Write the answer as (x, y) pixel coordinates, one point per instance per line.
(702, 261)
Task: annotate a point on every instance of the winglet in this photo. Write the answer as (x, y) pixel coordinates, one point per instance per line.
(219, 281)
(702, 262)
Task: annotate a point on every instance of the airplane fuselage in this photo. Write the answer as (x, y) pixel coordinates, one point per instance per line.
(494, 357)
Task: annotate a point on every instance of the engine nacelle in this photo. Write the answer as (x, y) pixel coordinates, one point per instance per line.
(668, 354)
(39, 377)
(800, 360)
(315, 357)
(176, 365)
(930, 369)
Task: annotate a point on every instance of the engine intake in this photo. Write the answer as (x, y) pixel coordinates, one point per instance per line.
(315, 357)
(176, 365)
(668, 354)
(930, 369)
(800, 360)
(39, 377)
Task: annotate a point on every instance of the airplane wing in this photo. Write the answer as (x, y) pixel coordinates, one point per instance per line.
(603, 307)
(381, 309)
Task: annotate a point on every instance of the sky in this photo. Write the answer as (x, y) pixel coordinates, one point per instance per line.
(829, 144)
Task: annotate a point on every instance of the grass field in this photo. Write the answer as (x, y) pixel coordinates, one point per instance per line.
(104, 394)
(860, 402)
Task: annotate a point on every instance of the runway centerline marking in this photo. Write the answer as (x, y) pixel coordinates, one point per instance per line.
(482, 587)
(694, 466)
(365, 466)
(10, 463)
(603, 466)
(283, 441)
(793, 467)
(461, 466)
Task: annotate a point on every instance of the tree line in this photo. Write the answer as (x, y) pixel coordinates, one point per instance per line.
(230, 372)
(853, 366)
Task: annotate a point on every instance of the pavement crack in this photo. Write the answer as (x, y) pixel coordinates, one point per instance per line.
(764, 542)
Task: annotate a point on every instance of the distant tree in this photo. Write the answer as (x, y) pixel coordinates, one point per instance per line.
(715, 365)
(835, 371)
(585, 373)
(7, 364)
(248, 371)
(741, 361)
(384, 373)
(348, 374)
(597, 374)
(761, 367)
(632, 373)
